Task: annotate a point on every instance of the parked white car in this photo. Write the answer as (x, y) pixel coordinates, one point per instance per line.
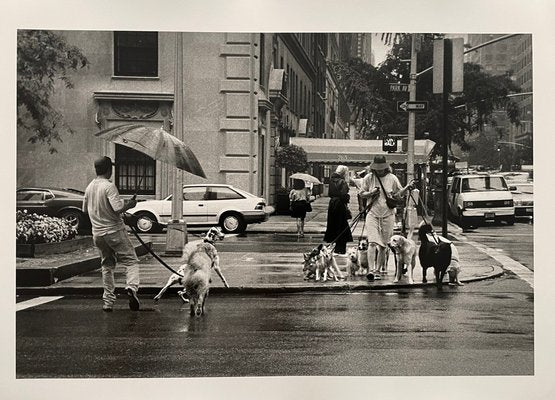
(205, 205)
(481, 197)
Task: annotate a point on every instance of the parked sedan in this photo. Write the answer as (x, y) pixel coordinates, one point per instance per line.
(205, 205)
(523, 198)
(64, 203)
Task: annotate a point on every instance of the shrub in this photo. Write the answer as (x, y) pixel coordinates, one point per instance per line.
(34, 229)
(291, 157)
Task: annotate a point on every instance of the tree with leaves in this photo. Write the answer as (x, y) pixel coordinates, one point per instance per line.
(43, 59)
(291, 157)
(367, 89)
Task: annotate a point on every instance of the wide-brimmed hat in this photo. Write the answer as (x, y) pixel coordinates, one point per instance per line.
(379, 163)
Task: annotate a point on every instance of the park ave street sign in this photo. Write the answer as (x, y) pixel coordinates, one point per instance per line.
(398, 87)
(412, 106)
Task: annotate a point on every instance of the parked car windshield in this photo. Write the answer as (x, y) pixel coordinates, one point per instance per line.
(483, 183)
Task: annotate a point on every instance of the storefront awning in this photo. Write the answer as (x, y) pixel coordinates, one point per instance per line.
(358, 152)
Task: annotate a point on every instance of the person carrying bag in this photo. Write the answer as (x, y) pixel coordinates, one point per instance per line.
(384, 190)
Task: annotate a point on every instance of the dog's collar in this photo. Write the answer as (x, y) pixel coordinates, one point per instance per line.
(208, 241)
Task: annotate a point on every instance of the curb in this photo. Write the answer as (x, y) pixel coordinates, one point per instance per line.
(247, 290)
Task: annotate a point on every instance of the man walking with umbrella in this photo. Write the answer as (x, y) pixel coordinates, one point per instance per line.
(104, 206)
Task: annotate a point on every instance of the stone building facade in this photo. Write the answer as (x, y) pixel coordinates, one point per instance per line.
(244, 94)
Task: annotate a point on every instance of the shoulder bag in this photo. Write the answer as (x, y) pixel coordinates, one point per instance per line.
(390, 201)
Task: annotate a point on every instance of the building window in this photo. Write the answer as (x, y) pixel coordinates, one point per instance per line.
(135, 172)
(136, 54)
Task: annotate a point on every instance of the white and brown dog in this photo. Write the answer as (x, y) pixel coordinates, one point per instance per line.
(213, 234)
(320, 263)
(405, 255)
(358, 259)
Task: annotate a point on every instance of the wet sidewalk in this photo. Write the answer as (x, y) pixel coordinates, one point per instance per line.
(268, 271)
(269, 258)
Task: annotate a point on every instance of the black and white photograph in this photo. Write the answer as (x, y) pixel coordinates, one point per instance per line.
(303, 205)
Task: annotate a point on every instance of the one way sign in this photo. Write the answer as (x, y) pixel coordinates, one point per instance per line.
(406, 106)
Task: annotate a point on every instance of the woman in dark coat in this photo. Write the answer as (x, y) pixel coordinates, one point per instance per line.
(338, 211)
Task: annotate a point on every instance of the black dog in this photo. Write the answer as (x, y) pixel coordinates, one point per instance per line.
(433, 253)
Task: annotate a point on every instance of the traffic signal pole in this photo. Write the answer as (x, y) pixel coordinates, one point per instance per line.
(412, 114)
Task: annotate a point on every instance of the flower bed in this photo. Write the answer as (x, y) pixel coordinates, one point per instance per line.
(40, 235)
(35, 229)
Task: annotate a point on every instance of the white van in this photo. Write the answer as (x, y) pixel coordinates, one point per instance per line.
(474, 199)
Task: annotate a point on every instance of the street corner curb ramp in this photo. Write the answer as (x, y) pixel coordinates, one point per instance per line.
(46, 276)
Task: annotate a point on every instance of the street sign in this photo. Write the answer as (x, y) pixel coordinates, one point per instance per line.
(399, 87)
(412, 106)
(389, 144)
(448, 60)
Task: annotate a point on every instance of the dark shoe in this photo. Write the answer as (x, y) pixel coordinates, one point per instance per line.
(107, 308)
(134, 303)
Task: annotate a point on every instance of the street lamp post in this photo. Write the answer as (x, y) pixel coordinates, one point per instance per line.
(176, 236)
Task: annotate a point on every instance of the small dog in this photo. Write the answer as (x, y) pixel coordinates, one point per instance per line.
(196, 277)
(328, 264)
(213, 234)
(405, 252)
(320, 262)
(362, 249)
(309, 263)
(353, 264)
(454, 268)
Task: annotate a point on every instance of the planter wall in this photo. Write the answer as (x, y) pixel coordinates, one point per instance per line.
(37, 277)
(33, 250)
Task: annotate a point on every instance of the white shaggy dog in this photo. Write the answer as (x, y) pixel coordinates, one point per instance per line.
(353, 264)
(455, 267)
(213, 234)
(405, 252)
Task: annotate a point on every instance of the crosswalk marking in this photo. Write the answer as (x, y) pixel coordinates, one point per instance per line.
(37, 301)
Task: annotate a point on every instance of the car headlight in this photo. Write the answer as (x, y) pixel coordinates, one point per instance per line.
(468, 204)
(260, 206)
(508, 203)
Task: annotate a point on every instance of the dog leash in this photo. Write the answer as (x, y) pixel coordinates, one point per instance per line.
(152, 252)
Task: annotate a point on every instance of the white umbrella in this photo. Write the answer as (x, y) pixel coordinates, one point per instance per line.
(156, 143)
(306, 178)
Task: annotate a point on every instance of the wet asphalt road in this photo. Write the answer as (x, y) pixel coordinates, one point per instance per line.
(483, 328)
(515, 241)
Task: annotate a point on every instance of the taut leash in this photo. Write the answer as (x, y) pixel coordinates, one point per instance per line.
(153, 253)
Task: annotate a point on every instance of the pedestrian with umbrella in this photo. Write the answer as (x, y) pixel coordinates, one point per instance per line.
(299, 198)
(300, 204)
(105, 206)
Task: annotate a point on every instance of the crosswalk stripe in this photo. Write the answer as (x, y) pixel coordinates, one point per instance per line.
(37, 301)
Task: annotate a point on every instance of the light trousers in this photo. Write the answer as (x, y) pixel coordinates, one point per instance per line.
(116, 247)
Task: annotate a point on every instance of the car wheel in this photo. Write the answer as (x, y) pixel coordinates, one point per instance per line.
(146, 222)
(74, 217)
(232, 223)
(463, 222)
